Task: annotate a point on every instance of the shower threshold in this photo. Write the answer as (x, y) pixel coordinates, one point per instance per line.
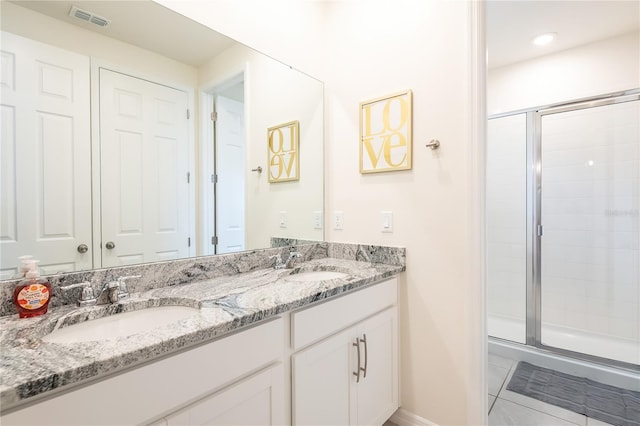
(614, 376)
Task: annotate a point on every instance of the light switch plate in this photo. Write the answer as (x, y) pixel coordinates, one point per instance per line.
(283, 219)
(338, 220)
(317, 219)
(387, 221)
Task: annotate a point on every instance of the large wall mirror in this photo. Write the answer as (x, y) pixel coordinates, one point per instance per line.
(131, 134)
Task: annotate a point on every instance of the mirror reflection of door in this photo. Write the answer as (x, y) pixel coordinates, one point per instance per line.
(144, 168)
(230, 170)
(45, 157)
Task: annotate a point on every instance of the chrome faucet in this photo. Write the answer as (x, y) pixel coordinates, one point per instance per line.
(292, 259)
(277, 264)
(289, 263)
(109, 293)
(112, 292)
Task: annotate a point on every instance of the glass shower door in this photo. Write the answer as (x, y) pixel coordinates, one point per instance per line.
(506, 210)
(589, 248)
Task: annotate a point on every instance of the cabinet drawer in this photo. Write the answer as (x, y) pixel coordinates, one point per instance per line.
(257, 400)
(312, 324)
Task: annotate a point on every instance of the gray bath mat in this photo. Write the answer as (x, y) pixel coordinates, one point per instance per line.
(603, 402)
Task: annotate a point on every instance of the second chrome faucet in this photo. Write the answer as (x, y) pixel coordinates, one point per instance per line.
(111, 292)
(289, 263)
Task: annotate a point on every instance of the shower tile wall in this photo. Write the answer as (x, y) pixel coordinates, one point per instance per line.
(506, 227)
(590, 204)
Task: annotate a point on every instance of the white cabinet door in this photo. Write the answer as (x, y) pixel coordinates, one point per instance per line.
(327, 392)
(258, 400)
(322, 381)
(377, 391)
(144, 163)
(45, 154)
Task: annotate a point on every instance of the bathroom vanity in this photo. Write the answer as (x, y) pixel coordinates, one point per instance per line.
(317, 343)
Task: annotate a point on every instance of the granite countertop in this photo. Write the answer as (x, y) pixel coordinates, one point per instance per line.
(30, 366)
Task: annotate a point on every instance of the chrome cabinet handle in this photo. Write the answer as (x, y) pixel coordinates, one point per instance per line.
(83, 248)
(366, 354)
(357, 372)
(110, 245)
(359, 368)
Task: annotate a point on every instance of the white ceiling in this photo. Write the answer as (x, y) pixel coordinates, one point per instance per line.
(512, 24)
(143, 23)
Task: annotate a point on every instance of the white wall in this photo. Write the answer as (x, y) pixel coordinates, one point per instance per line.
(275, 95)
(377, 49)
(598, 68)
(366, 49)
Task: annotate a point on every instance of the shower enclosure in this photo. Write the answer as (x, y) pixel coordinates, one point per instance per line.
(563, 229)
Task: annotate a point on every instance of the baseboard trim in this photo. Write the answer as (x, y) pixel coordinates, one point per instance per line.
(403, 417)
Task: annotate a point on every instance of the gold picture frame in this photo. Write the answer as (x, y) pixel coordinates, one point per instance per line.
(283, 153)
(386, 133)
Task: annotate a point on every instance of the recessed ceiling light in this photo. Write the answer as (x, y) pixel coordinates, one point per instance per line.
(543, 39)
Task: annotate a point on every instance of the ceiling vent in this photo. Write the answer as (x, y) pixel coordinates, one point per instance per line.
(86, 16)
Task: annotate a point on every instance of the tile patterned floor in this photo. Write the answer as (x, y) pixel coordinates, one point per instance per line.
(508, 408)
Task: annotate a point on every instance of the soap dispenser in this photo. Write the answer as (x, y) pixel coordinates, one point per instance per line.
(31, 296)
(23, 268)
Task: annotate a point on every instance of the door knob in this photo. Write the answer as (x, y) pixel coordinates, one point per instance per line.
(83, 248)
(110, 245)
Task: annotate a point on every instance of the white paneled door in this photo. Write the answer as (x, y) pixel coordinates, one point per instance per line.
(144, 148)
(45, 157)
(230, 168)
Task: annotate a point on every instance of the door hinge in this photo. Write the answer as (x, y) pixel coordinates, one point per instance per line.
(214, 116)
(214, 240)
(188, 114)
(215, 178)
(539, 230)
(188, 177)
(188, 241)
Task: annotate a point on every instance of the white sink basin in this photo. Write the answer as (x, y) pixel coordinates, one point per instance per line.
(120, 325)
(315, 276)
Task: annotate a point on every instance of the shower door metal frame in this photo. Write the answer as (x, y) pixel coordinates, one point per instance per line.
(534, 225)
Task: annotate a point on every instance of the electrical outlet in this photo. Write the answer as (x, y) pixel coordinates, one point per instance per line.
(317, 219)
(387, 221)
(283, 219)
(338, 220)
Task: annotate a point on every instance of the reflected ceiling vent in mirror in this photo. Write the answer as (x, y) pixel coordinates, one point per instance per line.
(87, 16)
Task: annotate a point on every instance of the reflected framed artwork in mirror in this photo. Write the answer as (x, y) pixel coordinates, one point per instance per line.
(284, 152)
